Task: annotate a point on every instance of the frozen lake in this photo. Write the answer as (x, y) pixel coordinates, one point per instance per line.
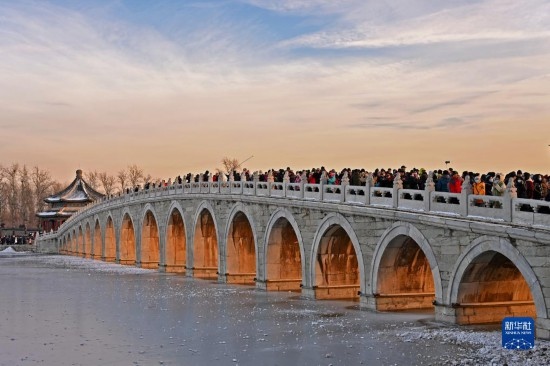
(58, 310)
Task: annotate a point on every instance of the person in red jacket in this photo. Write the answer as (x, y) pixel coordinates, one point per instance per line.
(455, 184)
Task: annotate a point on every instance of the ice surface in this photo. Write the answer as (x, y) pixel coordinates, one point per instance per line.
(61, 310)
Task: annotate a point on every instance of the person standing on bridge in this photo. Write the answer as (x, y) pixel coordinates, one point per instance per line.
(478, 188)
(442, 184)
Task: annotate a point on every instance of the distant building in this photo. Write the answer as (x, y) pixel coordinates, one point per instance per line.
(65, 203)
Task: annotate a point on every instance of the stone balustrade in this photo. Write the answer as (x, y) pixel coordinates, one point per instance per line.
(506, 208)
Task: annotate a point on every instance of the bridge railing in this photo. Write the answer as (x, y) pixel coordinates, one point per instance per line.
(294, 190)
(531, 212)
(503, 208)
(357, 195)
(313, 192)
(446, 202)
(412, 199)
(381, 196)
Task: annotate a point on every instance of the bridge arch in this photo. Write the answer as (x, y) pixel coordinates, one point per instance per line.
(336, 262)
(149, 251)
(175, 247)
(240, 246)
(205, 242)
(283, 254)
(63, 245)
(87, 239)
(109, 242)
(96, 239)
(492, 269)
(127, 242)
(78, 241)
(404, 271)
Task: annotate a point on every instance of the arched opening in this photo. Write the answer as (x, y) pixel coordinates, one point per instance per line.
(205, 247)
(405, 279)
(337, 269)
(127, 242)
(63, 249)
(149, 242)
(492, 288)
(283, 259)
(110, 241)
(80, 243)
(241, 252)
(175, 244)
(88, 242)
(96, 252)
(72, 244)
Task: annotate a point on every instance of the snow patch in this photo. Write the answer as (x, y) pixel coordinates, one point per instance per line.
(487, 346)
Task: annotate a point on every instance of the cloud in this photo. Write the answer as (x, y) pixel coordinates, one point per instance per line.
(461, 122)
(382, 27)
(167, 77)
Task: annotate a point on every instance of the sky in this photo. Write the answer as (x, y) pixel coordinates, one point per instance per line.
(175, 86)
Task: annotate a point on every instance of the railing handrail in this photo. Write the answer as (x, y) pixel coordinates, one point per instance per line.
(506, 208)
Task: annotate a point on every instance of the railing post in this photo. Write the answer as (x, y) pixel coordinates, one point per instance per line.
(255, 179)
(368, 184)
(508, 199)
(344, 184)
(303, 180)
(270, 180)
(464, 193)
(322, 182)
(428, 189)
(286, 180)
(397, 185)
(243, 182)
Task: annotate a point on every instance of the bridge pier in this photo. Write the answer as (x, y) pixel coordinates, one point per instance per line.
(308, 292)
(205, 273)
(239, 278)
(397, 302)
(173, 268)
(280, 285)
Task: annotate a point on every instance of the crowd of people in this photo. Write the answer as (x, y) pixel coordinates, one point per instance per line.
(531, 186)
(16, 239)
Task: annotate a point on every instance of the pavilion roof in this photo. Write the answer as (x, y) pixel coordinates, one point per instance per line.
(77, 192)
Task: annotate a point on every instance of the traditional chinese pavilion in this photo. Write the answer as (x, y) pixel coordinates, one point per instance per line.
(65, 203)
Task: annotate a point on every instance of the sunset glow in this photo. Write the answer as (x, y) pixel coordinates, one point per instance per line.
(174, 86)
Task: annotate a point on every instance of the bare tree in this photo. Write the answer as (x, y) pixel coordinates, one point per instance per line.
(135, 175)
(42, 183)
(11, 173)
(58, 187)
(230, 164)
(3, 195)
(26, 207)
(92, 178)
(122, 177)
(108, 182)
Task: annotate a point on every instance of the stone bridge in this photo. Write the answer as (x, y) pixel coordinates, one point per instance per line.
(472, 259)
